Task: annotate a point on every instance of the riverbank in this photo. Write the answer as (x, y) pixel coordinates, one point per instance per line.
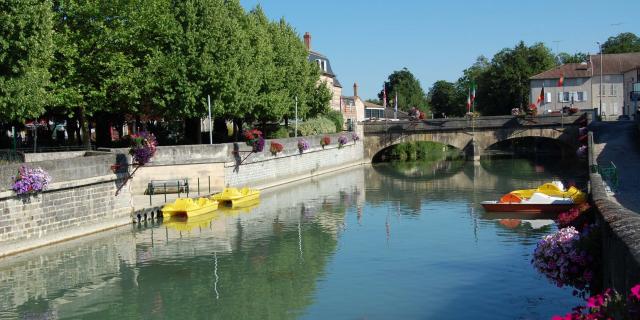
(620, 226)
(90, 192)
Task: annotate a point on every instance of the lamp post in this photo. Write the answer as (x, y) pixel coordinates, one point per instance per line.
(601, 62)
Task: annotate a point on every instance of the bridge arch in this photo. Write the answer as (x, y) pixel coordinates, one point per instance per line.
(473, 140)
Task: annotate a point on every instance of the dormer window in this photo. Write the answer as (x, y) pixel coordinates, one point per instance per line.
(322, 64)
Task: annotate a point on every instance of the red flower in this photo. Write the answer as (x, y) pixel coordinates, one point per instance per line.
(636, 291)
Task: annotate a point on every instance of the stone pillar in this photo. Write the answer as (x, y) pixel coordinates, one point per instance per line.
(472, 152)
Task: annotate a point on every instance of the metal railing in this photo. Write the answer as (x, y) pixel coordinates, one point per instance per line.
(39, 149)
(456, 124)
(609, 174)
(11, 156)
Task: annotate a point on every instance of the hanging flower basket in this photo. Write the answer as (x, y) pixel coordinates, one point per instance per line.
(566, 258)
(303, 145)
(342, 140)
(254, 139)
(30, 181)
(325, 141)
(355, 137)
(143, 147)
(275, 147)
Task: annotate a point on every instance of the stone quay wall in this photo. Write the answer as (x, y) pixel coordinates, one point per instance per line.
(620, 235)
(264, 169)
(80, 200)
(235, 165)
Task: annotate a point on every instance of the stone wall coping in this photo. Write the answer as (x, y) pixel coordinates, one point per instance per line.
(66, 185)
(624, 223)
(225, 152)
(292, 151)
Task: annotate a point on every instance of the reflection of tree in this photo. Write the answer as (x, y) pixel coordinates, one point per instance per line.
(539, 168)
(270, 280)
(420, 170)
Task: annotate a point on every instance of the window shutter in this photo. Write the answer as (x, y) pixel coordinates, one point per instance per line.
(560, 96)
(584, 96)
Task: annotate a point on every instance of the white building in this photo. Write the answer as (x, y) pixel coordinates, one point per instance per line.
(581, 88)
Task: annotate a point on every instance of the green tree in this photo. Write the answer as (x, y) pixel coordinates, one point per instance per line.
(410, 93)
(319, 99)
(564, 57)
(505, 83)
(622, 43)
(26, 50)
(93, 72)
(376, 101)
(445, 98)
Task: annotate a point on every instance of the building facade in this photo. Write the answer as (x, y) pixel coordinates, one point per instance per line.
(603, 82)
(327, 76)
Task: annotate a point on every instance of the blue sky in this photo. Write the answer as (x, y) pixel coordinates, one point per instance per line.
(366, 40)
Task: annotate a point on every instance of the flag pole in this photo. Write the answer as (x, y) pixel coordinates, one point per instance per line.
(210, 126)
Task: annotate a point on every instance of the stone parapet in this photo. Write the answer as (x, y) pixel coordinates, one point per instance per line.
(620, 239)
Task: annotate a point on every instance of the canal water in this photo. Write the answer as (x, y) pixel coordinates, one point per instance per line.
(388, 241)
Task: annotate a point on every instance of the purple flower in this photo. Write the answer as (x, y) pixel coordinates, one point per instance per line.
(30, 180)
(303, 145)
(342, 140)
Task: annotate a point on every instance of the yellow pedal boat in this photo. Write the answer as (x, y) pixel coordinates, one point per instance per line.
(245, 208)
(189, 207)
(235, 198)
(553, 189)
(182, 223)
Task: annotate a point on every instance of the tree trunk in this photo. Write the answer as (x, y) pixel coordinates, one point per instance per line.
(72, 127)
(237, 128)
(84, 127)
(193, 131)
(220, 133)
(103, 130)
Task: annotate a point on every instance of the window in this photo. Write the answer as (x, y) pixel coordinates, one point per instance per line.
(322, 64)
(582, 96)
(614, 90)
(548, 98)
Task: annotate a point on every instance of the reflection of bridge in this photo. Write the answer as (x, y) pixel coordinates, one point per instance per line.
(473, 137)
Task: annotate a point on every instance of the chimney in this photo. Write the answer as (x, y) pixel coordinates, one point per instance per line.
(307, 40)
(355, 90)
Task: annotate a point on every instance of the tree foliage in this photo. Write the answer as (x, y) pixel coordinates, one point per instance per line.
(158, 58)
(407, 87)
(26, 50)
(578, 57)
(505, 82)
(446, 99)
(622, 43)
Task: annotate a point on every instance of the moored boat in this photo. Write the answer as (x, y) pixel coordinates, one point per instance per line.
(235, 198)
(189, 207)
(182, 223)
(548, 198)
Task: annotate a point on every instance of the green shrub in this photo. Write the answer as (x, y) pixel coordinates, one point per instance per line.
(280, 133)
(316, 126)
(423, 150)
(337, 118)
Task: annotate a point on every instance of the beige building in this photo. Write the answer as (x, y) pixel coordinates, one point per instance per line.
(327, 76)
(351, 107)
(582, 88)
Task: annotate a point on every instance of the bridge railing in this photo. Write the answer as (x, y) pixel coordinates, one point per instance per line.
(456, 124)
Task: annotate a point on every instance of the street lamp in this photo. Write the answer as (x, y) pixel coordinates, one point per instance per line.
(601, 84)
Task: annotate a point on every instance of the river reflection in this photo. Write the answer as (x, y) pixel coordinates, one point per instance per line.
(388, 241)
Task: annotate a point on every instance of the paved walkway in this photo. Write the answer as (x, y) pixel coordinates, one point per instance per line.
(619, 142)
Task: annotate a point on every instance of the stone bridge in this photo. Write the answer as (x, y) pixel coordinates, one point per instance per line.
(473, 137)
